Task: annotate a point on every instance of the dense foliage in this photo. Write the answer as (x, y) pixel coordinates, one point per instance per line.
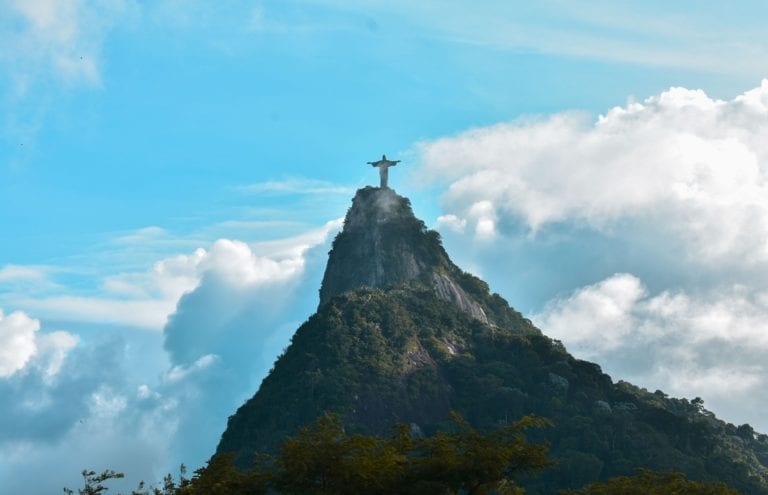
(323, 459)
(379, 357)
(649, 483)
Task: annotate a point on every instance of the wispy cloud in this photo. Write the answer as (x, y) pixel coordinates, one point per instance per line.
(49, 47)
(34, 279)
(61, 39)
(675, 35)
(23, 272)
(148, 314)
(296, 185)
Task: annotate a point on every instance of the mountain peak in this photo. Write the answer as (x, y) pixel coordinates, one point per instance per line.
(377, 205)
(402, 335)
(382, 245)
(385, 246)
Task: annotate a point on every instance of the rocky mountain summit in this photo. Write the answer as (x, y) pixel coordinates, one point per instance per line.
(402, 335)
(383, 245)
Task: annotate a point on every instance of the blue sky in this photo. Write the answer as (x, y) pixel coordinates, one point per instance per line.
(171, 174)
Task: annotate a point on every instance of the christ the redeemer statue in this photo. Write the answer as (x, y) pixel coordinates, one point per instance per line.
(384, 165)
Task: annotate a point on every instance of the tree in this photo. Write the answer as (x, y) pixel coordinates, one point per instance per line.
(746, 431)
(92, 482)
(322, 458)
(650, 483)
(467, 461)
(221, 477)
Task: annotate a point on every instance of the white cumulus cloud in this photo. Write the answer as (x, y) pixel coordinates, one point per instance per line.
(145, 299)
(21, 344)
(233, 306)
(710, 344)
(639, 239)
(179, 372)
(225, 334)
(694, 167)
(17, 342)
(597, 318)
(235, 261)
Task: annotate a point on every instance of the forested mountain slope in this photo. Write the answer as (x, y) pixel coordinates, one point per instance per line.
(402, 335)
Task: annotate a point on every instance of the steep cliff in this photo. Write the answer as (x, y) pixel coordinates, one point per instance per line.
(384, 245)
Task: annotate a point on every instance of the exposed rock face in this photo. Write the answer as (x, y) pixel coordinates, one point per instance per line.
(450, 291)
(382, 245)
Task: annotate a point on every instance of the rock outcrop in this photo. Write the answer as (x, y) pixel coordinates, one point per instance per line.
(384, 245)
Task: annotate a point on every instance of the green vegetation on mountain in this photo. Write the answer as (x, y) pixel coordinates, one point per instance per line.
(323, 459)
(649, 483)
(404, 336)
